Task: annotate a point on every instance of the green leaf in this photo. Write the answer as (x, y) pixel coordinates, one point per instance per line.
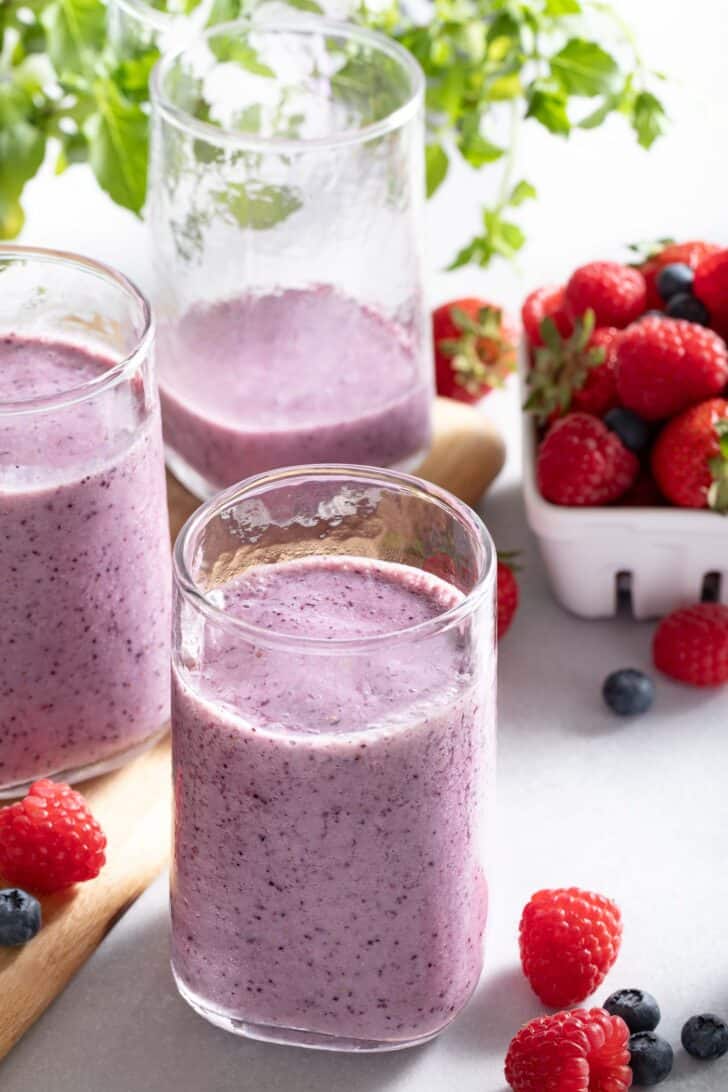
(597, 117)
(231, 47)
(550, 109)
(22, 148)
(555, 8)
(117, 134)
(436, 167)
(522, 191)
(505, 88)
(649, 119)
(469, 254)
(75, 33)
(132, 75)
(584, 68)
(257, 206)
(224, 11)
(478, 151)
(305, 5)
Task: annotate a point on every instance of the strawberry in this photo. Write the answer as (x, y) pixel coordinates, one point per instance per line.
(691, 645)
(577, 372)
(543, 303)
(581, 462)
(711, 288)
(615, 293)
(690, 457)
(475, 348)
(690, 254)
(507, 592)
(665, 365)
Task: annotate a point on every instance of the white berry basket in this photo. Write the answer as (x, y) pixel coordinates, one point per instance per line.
(661, 558)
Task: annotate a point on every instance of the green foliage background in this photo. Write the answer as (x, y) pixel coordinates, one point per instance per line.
(561, 64)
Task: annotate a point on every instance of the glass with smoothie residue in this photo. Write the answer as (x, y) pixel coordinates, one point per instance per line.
(286, 210)
(333, 717)
(85, 595)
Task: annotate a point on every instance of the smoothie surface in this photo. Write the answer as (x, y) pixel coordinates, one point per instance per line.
(300, 356)
(331, 598)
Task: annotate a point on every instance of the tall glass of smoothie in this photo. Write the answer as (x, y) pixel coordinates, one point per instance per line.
(85, 592)
(333, 717)
(286, 208)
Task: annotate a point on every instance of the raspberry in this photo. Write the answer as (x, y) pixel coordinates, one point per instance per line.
(507, 596)
(547, 302)
(581, 462)
(569, 940)
(50, 840)
(666, 365)
(691, 645)
(615, 293)
(584, 1050)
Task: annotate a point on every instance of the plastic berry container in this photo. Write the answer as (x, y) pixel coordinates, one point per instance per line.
(596, 558)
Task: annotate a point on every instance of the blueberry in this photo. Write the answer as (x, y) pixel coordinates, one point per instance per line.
(705, 1036)
(689, 308)
(653, 313)
(628, 692)
(674, 278)
(631, 429)
(20, 917)
(638, 1009)
(651, 1058)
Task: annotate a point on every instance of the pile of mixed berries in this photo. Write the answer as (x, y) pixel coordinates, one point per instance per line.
(569, 939)
(49, 841)
(628, 381)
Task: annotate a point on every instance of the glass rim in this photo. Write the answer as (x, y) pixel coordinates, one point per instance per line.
(186, 584)
(111, 376)
(300, 24)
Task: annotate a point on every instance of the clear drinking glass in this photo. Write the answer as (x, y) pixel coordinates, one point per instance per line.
(135, 27)
(286, 202)
(333, 719)
(84, 542)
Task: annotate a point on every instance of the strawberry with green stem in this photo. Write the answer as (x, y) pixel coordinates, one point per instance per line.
(508, 593)
(475, 348)
(690, 457)
(575, 372)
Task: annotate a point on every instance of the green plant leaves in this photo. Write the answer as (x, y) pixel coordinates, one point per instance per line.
(436, 167)
(61, 80)
(649, 119)
(22, 148)
(257, 206)
(117, 146)
(550, 109)
(75, 32)
(584, 68)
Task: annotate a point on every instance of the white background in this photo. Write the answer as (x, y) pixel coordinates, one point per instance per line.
(637, 810)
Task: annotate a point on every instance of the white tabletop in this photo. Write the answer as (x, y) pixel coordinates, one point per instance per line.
(636, 810)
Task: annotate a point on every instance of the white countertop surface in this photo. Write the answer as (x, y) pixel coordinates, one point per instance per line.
(637, 810)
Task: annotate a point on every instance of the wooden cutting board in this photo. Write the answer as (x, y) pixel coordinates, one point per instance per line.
(133, 804)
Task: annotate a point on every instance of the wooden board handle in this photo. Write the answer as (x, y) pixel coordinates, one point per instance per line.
(133, 807)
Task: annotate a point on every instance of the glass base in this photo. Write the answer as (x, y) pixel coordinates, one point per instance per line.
(85, 773)
(298, 1037)
(201, 488)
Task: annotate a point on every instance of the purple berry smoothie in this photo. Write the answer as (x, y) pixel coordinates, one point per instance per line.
(302, 376)
(84, 553)
(329, 868)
